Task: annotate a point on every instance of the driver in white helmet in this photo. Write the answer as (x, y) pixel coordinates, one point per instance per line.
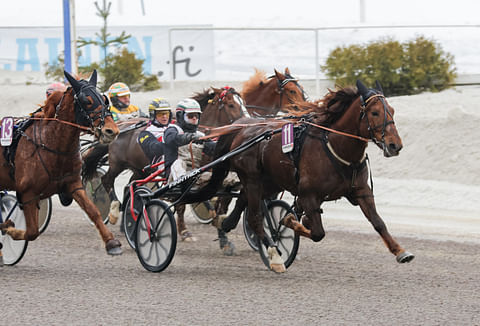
(181, 133)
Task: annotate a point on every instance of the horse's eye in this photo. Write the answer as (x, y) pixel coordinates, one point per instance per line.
(231, 106)
(293, 92)
(375, 113)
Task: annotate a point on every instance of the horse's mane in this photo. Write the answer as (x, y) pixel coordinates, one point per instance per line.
(331, 107)
(258, 78)
(49, 108)
(203, 97)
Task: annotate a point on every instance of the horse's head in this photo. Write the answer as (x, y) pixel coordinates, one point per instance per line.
(224, 106)
(378, 115)
(91, 108)
(266, 96)
(289, 89)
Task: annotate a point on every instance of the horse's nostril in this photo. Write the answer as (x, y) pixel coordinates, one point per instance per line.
(394, 147)
(108, 132)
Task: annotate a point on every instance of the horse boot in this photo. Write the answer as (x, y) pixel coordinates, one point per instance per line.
(65, 199)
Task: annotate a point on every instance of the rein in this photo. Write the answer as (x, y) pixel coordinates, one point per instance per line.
(64, 122)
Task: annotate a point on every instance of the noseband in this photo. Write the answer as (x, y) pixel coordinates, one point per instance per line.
(371, 130)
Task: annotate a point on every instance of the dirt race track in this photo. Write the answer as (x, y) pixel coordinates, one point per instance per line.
(66, 278)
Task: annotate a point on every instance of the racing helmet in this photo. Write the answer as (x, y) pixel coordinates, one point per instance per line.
(157, 105)
(55, 87)
(117, 90)
(184, 108)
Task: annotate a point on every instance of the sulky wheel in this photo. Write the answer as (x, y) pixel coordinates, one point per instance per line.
(156, 236)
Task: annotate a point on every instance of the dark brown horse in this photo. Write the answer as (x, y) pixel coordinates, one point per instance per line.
(47, 159)
(220, 106)
(325, 165)
(266, 96)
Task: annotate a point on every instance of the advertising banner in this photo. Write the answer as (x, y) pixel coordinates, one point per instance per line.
(30, 49)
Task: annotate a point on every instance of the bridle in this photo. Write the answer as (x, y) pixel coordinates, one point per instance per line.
(363, 115)
(87, 117)
(281, 90)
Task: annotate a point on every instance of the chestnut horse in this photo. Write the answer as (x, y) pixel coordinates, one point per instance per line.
(265, 97)
(328, 162)
(220, 106)
(48, 161)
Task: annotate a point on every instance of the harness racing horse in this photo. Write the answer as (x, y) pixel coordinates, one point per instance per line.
(47, 159)
(220, 106)
(328, 162)
(265, 97)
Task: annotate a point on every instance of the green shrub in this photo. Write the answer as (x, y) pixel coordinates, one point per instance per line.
(122, 67)
(402, 68)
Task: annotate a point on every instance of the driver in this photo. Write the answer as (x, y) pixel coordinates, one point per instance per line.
(151, 139)
(121, 109)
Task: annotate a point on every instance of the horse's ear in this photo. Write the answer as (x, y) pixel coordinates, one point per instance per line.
(216, 90)
(378, 87)
(75, 84)
(93, 78)
(362, 89)
(105, 100)
(279, 75)
(287, 71)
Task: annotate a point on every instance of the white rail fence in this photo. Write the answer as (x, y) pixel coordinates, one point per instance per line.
(304, 50)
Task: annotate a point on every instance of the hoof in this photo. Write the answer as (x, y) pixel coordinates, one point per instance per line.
(229, 249)
(288, 220)
(114, 247)
(405, 257)
(276, 262)
(187, 236)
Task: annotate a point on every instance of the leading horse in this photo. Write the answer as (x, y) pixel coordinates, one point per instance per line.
(220, 106)
(328, 162)
(47, 159)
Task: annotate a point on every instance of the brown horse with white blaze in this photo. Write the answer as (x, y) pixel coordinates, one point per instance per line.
(47, 159)
(329, 162)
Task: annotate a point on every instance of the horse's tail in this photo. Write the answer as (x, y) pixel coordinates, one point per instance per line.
(219, 173)
(91, 160)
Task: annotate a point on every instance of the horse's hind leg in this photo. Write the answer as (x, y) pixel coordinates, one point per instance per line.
(112, 245)
(30, 211)
(108, 182)
(185, 234)
(254, 192)
(367, 204)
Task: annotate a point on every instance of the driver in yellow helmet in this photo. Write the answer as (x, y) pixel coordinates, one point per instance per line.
(121, 109)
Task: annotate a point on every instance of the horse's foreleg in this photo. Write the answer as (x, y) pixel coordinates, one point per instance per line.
(367, 205)
(312, 221)
(112, 245)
